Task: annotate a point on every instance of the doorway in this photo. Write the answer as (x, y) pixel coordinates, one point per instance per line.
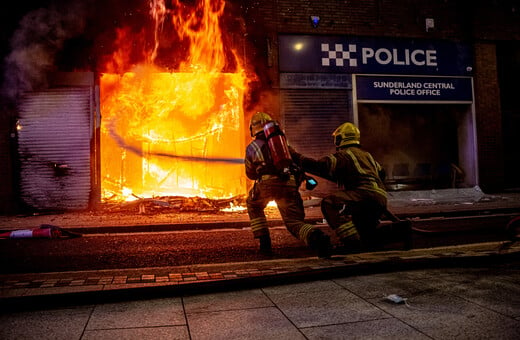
(421, 146)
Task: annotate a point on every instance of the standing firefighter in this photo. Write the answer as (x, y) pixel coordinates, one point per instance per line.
(355, 210)
(269, 164)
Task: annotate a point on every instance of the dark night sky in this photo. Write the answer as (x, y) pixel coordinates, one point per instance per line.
(38, 37)
(42, 36)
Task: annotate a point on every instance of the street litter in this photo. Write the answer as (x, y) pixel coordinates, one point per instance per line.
(44, 231)
(396, 299)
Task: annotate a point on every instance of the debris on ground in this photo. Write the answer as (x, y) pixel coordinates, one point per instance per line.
(173, 204)
(395, 299)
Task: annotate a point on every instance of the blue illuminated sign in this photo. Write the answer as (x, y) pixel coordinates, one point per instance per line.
(342, 54)
(406, 88)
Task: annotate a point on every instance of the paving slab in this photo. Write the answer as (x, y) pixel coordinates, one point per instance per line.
(258, 323)
(66, 323)
(214, 302)
(382, 329)
(314, 308)
(500, 294)
(444, 316)
(138, 313)
(170, 333)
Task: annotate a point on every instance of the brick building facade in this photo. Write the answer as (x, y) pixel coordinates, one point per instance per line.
(482, 25)
(489, 28)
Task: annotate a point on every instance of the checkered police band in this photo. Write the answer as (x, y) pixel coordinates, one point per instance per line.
(337, 55)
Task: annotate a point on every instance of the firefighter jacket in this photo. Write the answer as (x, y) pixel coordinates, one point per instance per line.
(351, 167)
(258, 160)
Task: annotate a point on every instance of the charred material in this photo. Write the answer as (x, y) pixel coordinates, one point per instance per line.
(166, 204)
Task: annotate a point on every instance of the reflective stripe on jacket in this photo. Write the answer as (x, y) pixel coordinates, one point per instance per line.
(352, 168)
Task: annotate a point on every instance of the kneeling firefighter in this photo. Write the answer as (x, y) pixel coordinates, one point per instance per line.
(354, 211)
(268, 162)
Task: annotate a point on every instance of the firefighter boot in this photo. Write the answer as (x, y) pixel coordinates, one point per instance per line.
(405, 231)
(265, 244)
(320, 243)
(351, 245)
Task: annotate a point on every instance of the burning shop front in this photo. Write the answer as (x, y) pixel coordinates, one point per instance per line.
(163, 117)
(412, 100)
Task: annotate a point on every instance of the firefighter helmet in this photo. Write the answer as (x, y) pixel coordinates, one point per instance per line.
(346, 134)
(257, 122)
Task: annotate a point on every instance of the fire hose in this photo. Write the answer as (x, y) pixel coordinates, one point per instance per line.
(311, 183)
(121, 142)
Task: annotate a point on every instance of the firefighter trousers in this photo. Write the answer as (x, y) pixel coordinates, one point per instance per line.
(354, 216)
(287, 197)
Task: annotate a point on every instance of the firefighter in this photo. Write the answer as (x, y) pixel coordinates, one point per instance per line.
(272, 183)
(354, 211)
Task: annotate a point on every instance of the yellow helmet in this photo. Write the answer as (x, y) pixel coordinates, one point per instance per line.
(346, 134)
(257, 122)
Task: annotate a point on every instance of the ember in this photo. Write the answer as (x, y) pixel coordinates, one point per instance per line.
(170, 133)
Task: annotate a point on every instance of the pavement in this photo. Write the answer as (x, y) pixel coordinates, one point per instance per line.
(468, 291)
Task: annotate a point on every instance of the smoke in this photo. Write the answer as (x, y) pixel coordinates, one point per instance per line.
(40, 35)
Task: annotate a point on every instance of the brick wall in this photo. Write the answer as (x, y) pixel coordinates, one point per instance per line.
(489, 122)
(404, 18)
(479, 24)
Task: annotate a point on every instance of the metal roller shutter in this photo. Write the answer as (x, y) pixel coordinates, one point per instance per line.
(54, 143)
(310, 117)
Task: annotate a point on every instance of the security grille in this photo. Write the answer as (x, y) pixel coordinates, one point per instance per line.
(310, 117)
(54, 142)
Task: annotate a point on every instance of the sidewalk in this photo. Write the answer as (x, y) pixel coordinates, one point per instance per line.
(40, 289)
(469, 292)
(272, 299)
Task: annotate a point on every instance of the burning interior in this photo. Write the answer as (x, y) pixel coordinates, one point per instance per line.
(170, 134)
(174, 129)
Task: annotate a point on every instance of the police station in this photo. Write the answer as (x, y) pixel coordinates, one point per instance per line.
(411, 98)
(430, 91)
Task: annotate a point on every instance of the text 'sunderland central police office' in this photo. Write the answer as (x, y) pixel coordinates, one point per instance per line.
(413, 88)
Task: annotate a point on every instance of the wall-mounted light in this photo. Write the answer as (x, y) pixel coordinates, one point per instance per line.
(315, 20)
(430, 24)
(298, 46)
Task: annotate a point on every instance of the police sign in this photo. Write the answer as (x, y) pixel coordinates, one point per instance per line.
(382, 56)
(410, 88)
(341, 54)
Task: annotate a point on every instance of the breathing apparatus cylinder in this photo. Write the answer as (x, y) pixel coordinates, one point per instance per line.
(278, 146)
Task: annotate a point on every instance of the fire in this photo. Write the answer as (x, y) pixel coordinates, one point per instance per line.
(174, 133)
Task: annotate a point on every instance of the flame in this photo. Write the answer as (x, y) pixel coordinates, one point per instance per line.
(149, 113)
(234, 208)
(272, 204)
